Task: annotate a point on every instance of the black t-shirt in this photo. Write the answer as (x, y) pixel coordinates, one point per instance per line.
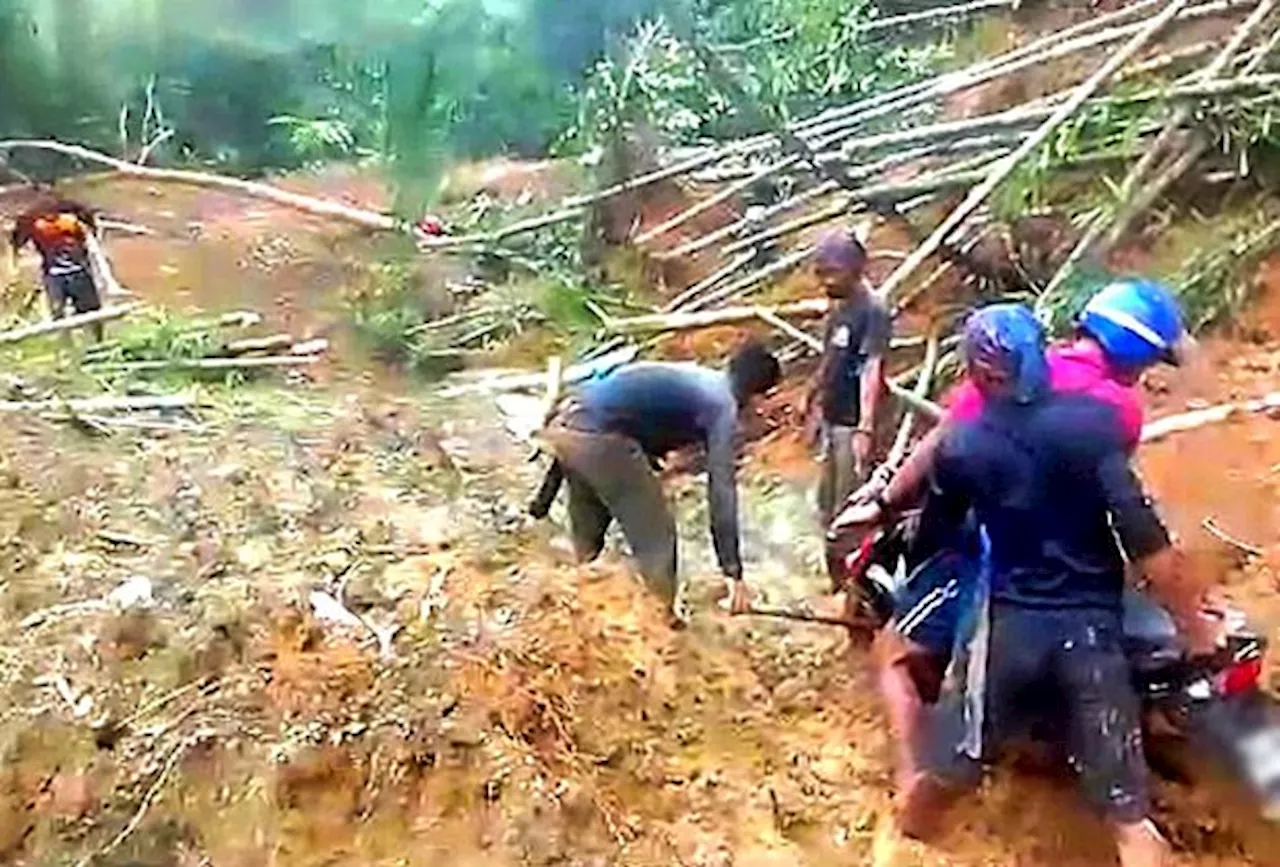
(856, 331)
(1053, 486)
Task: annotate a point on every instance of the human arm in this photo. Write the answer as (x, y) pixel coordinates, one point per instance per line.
(871, 382)
(722, 495)
(1148, 545)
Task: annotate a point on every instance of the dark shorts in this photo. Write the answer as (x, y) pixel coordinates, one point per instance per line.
(1025, 665)
(75, 286)
(935, 599)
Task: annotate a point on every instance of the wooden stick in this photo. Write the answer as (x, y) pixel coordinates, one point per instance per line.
(979, 194)
(67, 323)
(1212, 528)
(710, 282)
(802, 616)
(260, 344)
(930, 15)
(210, 363)
(810, 309)
(1182, 422)
(100, 404)
(319, 207)
(555, 379)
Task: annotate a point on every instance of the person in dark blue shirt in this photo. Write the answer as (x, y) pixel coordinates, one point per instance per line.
(608, 438)
(850, 377)
(1051, 483)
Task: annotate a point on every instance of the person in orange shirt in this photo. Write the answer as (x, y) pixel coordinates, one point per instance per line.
(58, 229)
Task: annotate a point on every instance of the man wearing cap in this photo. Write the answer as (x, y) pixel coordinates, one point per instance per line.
(850, 378)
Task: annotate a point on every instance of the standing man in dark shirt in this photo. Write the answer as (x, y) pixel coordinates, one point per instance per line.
(608, 438)
(1052, 484)
(58, 229)
(850, 378)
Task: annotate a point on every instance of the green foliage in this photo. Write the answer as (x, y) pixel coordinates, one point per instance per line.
(793, 57)
(158, 335)
(1214, 282)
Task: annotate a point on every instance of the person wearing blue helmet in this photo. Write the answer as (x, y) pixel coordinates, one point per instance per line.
(1004, 350)
(1126, 328)
(1050, 481)
(1138, 324)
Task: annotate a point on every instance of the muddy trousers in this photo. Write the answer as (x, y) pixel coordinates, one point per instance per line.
(841, 473)
(609, 478)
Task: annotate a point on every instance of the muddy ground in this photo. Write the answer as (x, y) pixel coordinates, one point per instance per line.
(522, 711)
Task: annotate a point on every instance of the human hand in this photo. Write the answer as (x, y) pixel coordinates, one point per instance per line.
(1205, 633)
(861, 448)
(858, 515)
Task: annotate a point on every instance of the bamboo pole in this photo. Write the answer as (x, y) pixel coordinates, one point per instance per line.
(808, 309)
(924, 382)
(67, 323)
(210, 363)
(319, 207)
(710, 282)
(1161, 428)
(100, 404)
(725, 195)
(1141, 171)
(931, 15)
(979, 194)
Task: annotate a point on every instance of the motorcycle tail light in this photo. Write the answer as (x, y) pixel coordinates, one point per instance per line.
(1241, 677)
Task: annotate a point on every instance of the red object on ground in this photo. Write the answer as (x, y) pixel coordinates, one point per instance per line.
(431, 225)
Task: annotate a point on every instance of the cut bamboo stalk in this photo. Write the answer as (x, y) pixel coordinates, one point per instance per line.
(979, 194)
(710, 282)
(751, 281)
(931, 15)
(725, 195)
(210, 364)
(260, 344)
(808, 309)
(67, 323)
(319, 207)
(101, 404)
(1140, 173)
(924, 382)
(1161, 428)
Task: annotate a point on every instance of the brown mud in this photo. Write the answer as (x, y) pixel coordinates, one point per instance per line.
(533, 713)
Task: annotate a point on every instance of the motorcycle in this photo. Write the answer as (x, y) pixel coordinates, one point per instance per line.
(1207, 719)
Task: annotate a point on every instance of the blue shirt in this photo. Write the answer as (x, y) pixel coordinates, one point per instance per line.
(1053, 486)
(667, 406)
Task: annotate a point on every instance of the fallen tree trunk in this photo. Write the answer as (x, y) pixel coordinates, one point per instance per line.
(67, 323)
(371, 220)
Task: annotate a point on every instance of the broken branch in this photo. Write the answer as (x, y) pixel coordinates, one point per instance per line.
(67, 323)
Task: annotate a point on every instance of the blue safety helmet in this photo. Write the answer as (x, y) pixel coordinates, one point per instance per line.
(1004, 348)
(1137, 322)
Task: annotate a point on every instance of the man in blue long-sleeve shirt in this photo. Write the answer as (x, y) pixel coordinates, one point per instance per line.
(608, 437)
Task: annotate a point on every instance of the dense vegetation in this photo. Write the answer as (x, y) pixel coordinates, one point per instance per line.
(251, 86)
